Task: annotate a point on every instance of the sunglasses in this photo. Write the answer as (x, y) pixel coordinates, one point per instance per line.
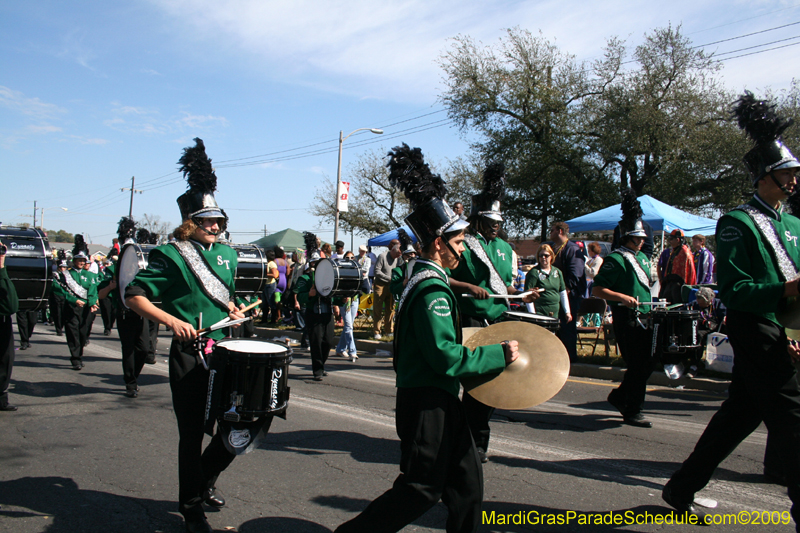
(545, 255)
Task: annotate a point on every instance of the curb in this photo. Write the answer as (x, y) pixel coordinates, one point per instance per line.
(577, 370)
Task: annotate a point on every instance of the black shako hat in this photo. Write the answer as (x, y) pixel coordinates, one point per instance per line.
(764, 126)
(199, 201)
(430, 217)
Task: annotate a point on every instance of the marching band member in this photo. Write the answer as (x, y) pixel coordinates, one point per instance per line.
(193, 277)
(760, 270)
(9, 304)
(485, 268)
(78, 287)
(438, 458)
(624, 281)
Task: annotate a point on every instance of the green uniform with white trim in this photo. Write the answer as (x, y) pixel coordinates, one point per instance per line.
(85, 279)
(618, 275)
(747, 278)
(549, 302)
(473, 271)
(429, 350)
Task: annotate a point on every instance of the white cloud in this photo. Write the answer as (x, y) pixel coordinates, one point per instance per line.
(32, 107)
(389, 49)
(150, 121)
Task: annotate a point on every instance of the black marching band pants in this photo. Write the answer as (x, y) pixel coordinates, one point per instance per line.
(57, 304)
(320, 335)
(198, 469)
(107, 313)
(438, 461)
(135, 340)
(6, 356)
(764, 388)
(478, 413)
(636, 346)
(26, 321)
(76, 326)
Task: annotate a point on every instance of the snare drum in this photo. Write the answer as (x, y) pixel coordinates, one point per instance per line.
(29, 265)
(248, 379)
(676, 335)
(337, 278)
(549, 323)
(251, 269)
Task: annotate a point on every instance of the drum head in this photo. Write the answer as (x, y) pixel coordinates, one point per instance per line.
(325, 277)
(127, 267)
(252, 346)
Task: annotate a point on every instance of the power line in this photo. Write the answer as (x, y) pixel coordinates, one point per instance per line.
(759, 52)
(759, 46)
(748, 35)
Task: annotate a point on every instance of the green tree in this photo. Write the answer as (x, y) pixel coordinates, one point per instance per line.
(374, 206)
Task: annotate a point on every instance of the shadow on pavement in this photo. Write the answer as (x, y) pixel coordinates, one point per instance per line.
(278, 523)
(362, 448)
(60, 506)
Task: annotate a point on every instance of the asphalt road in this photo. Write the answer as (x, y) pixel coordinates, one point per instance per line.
(78, 456)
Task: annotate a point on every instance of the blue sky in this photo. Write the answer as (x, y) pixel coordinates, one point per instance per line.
(94, 92)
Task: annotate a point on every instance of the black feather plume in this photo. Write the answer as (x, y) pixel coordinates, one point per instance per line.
(758, 119)
(197, 169)
(62, 254)
(405, 240)
(494, 182)
(409, 172)
(80, 245)
(631, 209)
(125, 229)
(311, 242)
(143, 236)
(153, 238)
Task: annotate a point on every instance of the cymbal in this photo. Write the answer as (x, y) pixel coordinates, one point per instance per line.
(537, 375)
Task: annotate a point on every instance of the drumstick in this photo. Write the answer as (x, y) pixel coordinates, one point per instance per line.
(219, 325)
(506, 296)
(227, 319)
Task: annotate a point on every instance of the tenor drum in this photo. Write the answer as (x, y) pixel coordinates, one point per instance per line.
(132, 259)
(547, 322)
(248, 379)
(29, 264)
(337, 278)
(675, 334)
(251, 270)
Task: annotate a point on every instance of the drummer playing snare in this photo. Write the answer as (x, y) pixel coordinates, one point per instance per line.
(193, 277)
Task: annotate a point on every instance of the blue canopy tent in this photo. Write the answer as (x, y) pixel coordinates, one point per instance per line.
(384, 239)
(660, 216)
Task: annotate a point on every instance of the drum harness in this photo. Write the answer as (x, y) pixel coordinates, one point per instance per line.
(495, 283)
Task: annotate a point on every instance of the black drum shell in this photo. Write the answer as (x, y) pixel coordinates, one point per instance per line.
(346, 280)
(29, 263)
(550, 324)
(250, 375)
(251, 269)
(676, 334)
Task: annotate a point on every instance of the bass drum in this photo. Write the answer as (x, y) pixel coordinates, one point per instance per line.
(29, 263)
(337, 278)
(251, 270)
(132, 259)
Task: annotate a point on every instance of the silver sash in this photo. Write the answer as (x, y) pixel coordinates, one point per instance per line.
(495, 283)
(74, 287)
(208, 280)
(786, 266)
(644, 277)
(420, 276)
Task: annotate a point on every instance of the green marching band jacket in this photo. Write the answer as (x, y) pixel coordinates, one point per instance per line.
(428, 350)
(84, 278)
(619, 275)
(473, 271)
(749, 256)
(168, 278)
(9, 302)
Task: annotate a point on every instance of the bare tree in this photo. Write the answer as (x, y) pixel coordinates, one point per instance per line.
(153, 224)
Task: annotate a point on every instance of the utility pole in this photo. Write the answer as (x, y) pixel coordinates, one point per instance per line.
(133, 190)
(265, 230)
(34, 214)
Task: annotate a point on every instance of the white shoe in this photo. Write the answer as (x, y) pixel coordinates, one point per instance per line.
(353, 358)
(377, 336)
(341, 354)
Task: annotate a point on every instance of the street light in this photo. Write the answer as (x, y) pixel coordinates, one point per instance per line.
(339, 175)
(43, 208)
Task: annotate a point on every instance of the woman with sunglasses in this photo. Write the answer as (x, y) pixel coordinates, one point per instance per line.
(546, 276)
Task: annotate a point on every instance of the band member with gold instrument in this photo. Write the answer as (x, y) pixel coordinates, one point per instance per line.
(438, 458)
(194, 279)
(757, 273)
